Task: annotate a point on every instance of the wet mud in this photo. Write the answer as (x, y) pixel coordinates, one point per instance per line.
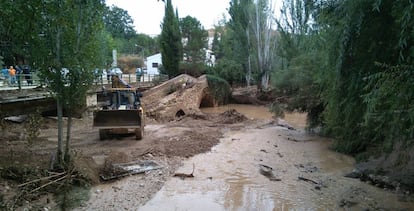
(269, 167)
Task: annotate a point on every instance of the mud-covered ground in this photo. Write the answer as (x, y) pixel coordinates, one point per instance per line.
(167, 144)
(170, 145)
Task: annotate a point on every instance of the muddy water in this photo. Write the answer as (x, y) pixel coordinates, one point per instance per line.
(297, 120)
(229, 177)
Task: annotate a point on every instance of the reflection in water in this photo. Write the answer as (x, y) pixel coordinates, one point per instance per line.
(228, 177)
(236, 182)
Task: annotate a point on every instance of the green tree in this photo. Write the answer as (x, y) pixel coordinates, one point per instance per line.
(70, 35)
(264, 41)
(251, 39)
(215, 46)
(17, 29)
(300, 59)
(146, 45)
(194, 38)
(170, 41)
(239, 37)
(229, 70)
(119, 23)
(218, 45)
(369, 105)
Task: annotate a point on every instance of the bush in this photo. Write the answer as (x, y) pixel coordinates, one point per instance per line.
(219, 88)
(193, 69)
(229, 70)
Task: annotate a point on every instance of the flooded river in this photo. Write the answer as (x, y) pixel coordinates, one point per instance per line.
(297, 120)
(267, 167)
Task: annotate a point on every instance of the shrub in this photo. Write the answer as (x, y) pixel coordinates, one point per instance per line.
(219, 88)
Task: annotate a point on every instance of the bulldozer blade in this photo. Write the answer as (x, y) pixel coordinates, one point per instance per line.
(107, 119)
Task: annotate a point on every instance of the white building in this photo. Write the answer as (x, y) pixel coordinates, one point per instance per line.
(210, 58)
(153, 63)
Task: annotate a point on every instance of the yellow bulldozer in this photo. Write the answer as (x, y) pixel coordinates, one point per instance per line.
(121, 113)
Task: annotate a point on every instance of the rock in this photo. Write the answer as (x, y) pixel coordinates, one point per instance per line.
(267, 171)
(347, 203)
(354, 174)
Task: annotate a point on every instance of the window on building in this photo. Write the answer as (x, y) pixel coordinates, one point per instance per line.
(155, 65)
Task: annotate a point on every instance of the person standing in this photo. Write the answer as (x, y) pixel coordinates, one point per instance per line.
(116, 95)
(12, 73)
(6, 75)
(27, 76)
(138, 72)
(19, 73)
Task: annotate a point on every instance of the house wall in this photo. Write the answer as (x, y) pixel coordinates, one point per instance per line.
(154, 59)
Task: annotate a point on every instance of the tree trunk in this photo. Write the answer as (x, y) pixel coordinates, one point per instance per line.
(59, 98)
(60, 130)
(68, 136)
(265, 80)
(265, 42)
(249, 70)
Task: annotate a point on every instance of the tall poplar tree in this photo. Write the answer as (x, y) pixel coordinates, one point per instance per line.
(69, 33)
(170, 41)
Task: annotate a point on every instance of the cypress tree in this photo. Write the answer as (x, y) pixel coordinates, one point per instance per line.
(170, 41)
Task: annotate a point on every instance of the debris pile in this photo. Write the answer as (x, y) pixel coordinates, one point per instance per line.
(231, 116)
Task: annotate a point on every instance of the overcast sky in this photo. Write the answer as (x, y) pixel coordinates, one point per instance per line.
(148, 14)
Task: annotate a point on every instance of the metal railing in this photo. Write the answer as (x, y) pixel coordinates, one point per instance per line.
(20, 81)
(133, 79)
(24, 81)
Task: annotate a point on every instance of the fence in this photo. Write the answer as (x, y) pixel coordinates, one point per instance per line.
(20, 80)
(132, 78)
(32, 80)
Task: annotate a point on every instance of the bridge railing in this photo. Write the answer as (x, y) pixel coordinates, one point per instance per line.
(20, 80)
(132, 78)
(32, 80)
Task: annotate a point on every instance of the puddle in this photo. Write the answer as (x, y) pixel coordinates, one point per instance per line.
(229, 177)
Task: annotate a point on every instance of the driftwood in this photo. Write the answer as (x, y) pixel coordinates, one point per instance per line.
(49, 183)
(307, 180)
(119, 170)
(43, 178)
(182, 175)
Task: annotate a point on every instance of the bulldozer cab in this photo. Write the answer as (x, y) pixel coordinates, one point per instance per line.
(121, 113)
(128, 97)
